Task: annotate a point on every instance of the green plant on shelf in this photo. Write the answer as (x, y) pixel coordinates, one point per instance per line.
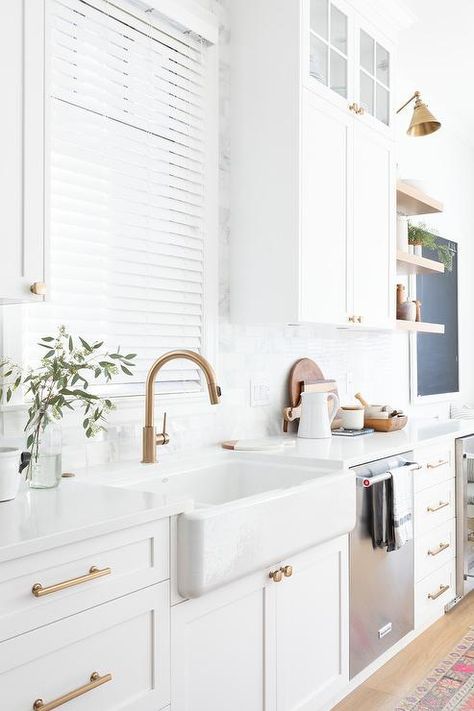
(421, 235)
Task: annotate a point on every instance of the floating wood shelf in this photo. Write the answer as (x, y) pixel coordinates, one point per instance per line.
(414, 264)
(419, 326)
(411, 201)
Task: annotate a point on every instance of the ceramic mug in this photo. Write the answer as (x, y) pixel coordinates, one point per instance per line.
(9, 472)
(353, 418)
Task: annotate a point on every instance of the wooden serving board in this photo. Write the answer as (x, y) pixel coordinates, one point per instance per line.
(391, 425)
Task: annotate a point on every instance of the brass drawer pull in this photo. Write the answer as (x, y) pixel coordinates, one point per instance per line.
(441, 505)
(39, 591)
(442, 547)
(440, 463)
(438, 593)
(95, 681)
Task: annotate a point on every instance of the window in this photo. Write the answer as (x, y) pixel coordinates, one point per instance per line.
(128, 130)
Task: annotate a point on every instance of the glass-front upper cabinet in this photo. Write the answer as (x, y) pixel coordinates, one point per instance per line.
(374, 77)
(329, 46)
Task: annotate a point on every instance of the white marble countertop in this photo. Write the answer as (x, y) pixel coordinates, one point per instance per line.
(39, 519)
(338, 452)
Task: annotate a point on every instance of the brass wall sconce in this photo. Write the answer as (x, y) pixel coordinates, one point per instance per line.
(422, 122)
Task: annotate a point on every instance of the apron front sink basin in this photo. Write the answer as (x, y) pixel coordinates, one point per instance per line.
(251, 514)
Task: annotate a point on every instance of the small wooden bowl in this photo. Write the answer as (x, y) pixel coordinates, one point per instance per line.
(391, 425)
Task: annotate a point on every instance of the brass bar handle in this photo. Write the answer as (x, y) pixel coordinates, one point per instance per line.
(95, 681)
(438, 593)
(440, 463)
(39, 591)
(441, 505)
(442, 547)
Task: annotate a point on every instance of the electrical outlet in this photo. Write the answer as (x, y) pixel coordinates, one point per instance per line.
(259, 392)
(349, 381)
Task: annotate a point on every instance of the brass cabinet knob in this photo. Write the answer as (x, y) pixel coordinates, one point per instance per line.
(38, 288)
(276, 576)
(287, 571)
(354, 107)
(360, 110)
(351, 319)
(359, 319)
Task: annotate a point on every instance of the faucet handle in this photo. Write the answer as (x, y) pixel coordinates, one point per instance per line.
(163, 437)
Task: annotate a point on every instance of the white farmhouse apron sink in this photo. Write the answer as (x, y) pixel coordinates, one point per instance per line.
(251, 514)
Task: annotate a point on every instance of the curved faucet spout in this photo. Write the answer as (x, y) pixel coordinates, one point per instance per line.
(150, 439)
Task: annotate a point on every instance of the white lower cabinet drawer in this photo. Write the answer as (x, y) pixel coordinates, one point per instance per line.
(434, 549)
(125, 642)
(74, 577)
(434, 592)
(434, 506)
(436, 465)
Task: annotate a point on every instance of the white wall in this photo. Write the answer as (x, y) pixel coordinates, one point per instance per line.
(375, 364)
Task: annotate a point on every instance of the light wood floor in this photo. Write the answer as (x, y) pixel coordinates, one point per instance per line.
(394, 680)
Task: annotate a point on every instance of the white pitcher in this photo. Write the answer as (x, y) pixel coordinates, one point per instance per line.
(315, 420)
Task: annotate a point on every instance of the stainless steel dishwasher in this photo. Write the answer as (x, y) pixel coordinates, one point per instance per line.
(381, 583)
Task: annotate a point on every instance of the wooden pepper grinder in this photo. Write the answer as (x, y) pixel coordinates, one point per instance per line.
(418, 311)
(401, 298)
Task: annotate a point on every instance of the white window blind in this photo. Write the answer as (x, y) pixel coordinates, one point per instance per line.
(127, 135)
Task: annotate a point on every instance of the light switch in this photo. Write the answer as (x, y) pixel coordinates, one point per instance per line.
(260, 391)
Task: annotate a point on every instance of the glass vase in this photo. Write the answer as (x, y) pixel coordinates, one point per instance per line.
(45, 470)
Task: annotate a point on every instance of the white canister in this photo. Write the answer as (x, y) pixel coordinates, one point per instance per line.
(9, 472)
(402, 233)
(352, 418)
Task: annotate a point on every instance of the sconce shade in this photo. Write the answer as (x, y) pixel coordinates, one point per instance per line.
(422, 122)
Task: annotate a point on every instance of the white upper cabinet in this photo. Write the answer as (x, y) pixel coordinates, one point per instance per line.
(312, 165)
(22, 150)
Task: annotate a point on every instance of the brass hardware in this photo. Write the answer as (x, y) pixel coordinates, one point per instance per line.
(276, 575)
(441, 505)
(287, 571)
(442, 547)
(38, 288)
(39, 591)
(163, 438)
(354, 107)
(442, 589)
(359, 319)
(95, 681)
(422, 121)
(150, 438)
(360, 111)
(351, 319)
(416, 468)
(441, 462)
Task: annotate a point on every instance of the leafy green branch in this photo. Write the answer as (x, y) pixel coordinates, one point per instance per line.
(61, 383)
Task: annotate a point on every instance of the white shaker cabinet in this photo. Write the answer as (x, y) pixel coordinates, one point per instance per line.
(313, 182)
(261, 645)
(22, 184)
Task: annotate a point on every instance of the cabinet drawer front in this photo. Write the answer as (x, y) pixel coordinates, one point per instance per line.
(127, 639)
(434, 592)
(62, 580)
(437, 465)
(434, 506)
(435, 549)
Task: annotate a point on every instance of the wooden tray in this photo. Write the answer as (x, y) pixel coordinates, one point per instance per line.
(391, 425)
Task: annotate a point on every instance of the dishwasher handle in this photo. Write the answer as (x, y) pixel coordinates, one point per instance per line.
(368, 481)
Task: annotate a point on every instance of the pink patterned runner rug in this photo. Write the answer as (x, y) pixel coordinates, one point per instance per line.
(450, 686)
